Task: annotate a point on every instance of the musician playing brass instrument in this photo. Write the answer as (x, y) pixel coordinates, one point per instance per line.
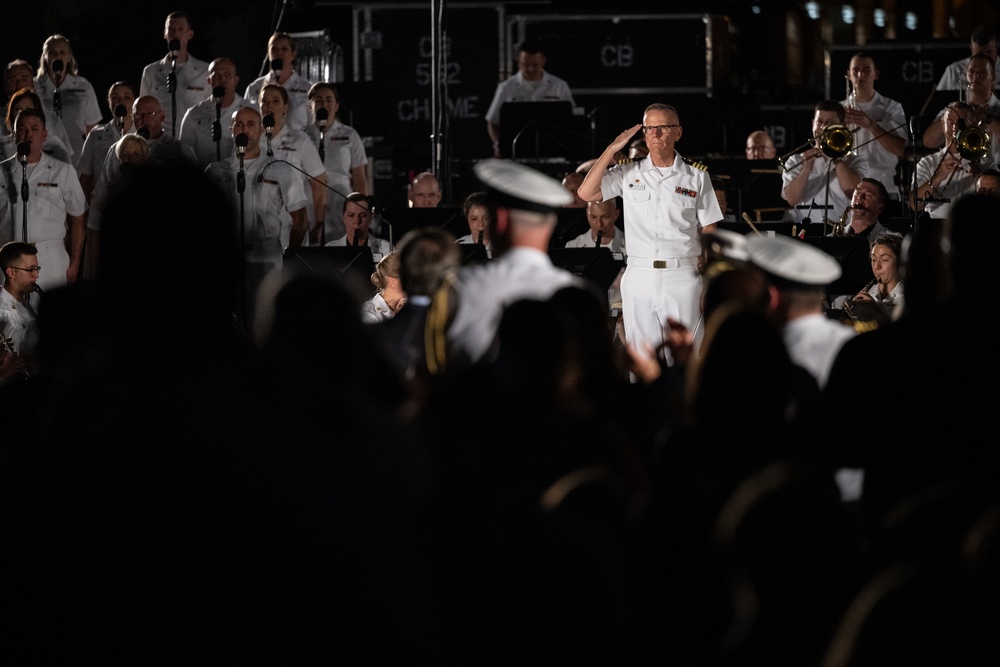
(815, 184)
(980, 78)
(880, 121)
(952, 171)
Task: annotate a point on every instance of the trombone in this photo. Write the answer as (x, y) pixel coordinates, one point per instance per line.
(835, 141)
(972, 142)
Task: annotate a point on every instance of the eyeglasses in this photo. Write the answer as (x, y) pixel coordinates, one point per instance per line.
(29, 269)
(657, 129)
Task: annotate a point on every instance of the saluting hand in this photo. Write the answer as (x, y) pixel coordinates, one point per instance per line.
(622, 140)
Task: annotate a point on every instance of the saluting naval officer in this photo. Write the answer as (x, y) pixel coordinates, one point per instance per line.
(669, 204)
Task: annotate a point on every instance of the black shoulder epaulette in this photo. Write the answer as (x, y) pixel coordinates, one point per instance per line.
(697, 165)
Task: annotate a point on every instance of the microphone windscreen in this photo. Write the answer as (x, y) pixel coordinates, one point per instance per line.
(174, 45)
(242, 141)
(322, 116)
(268, 121)
(57, 66)
(120, 111)
(218, 92)
(277, 64)
(143, 132)
(23, 149)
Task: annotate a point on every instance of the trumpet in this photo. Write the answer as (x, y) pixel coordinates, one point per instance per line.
(835, 141)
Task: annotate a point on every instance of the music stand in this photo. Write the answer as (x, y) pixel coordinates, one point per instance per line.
(570, 223)
(473, 253)
(599, 266)
(403, 220)
(341, 262)
(852, 253)
(538, 130)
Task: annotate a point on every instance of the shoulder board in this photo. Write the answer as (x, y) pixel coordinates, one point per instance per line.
(629, 160)
(697, 165)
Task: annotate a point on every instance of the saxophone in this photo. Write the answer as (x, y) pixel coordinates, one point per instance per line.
(8, 355)
(839, 226)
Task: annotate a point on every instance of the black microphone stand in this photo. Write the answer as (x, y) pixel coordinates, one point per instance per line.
(914, 127)
(217, 125)
(24, 196)
(241, 186)
(174, 47)
(57, 71)
(321, 122)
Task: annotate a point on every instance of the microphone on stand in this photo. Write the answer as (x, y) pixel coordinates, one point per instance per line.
(598, 243)
(357, 238)
(276, 66)
(23, 149)
(143, 132)
(120, 113)
(57, 70)
(480, 240)
(268, 121)
(241, 141)
(322, 117)
(174, 46)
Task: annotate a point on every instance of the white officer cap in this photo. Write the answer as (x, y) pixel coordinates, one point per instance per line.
(792, 263)
(514, 185)
(725, 244)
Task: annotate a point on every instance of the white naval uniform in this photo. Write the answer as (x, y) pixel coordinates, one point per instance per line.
(961, 181)
(375, 310)
(380, 247)
(192, 87)
(95, 148)
(815, 192)
(953, 77)
(664, 210)
(889, 115)
(279, 191)
(79, 108)
(54, 193)
(515, 89)
(53, 146)
(615, 244)
(196, 129)
(813, 342)
(992, 109)
(483, 291)
(297, 88)
(18, 322)
(343, 151)
(298, 149)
